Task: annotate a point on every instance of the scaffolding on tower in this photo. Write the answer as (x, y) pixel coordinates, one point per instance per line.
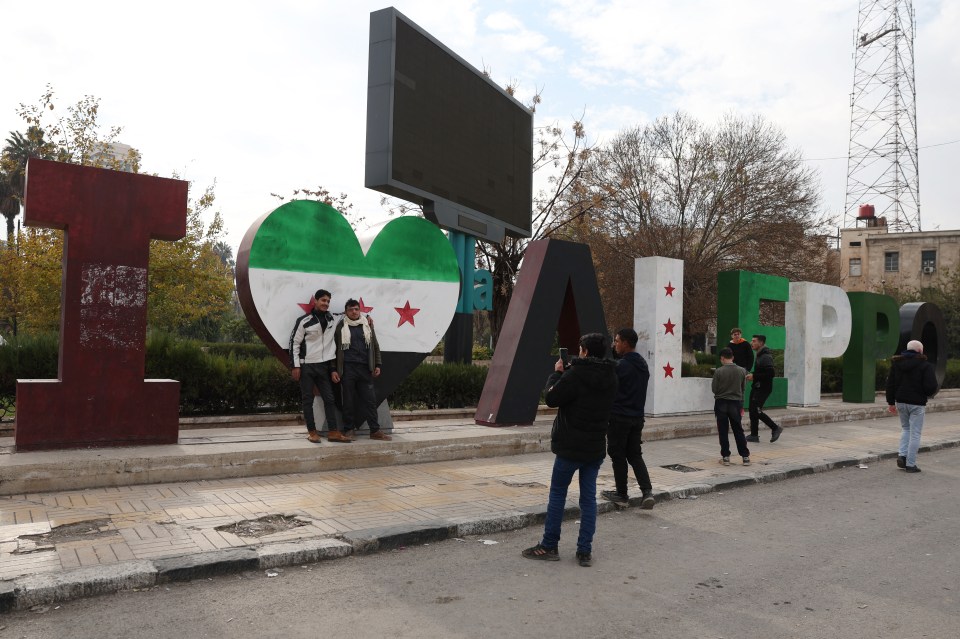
(882, 166)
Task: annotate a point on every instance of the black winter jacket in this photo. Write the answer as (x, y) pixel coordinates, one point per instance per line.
(742, 354)
(763, 371)
(584, 394)
(912, 379)
(633, 375)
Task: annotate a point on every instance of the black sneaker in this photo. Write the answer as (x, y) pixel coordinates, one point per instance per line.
(647, 501)
(901, 461)
(584, 559)
(776, 434)
(912, 469)
(541, 553)
(615, 497)
(753, 438)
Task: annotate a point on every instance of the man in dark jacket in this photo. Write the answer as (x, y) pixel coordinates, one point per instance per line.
(584, 395)
(911, 382)
(762, 377)
(626, 420)
(358, 364)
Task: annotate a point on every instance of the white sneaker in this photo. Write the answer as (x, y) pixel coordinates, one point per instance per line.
(725, 461)
(746, 461)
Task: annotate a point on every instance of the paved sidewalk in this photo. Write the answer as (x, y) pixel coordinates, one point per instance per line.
(71, 543)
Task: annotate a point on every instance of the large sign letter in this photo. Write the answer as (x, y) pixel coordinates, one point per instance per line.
(818, 326)
(739, 294)
(101, 397)
(658, 320)
(556, 292)
(875, 330)
(924, 321)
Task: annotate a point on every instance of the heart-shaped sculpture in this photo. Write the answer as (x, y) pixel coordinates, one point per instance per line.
(407, 280)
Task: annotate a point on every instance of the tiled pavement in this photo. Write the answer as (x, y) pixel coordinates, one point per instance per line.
(119, 525)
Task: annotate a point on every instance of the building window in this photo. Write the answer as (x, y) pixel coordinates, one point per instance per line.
(855, 267)
(855, 243)
(891, 261)
(928, 259)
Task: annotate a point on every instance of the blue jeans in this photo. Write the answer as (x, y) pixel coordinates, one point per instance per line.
(911, 425)
(563, 470)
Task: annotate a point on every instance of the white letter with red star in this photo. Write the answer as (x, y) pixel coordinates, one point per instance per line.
(658, 320)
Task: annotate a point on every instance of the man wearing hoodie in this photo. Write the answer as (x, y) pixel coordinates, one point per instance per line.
(584, 394)
(762, 378)
(626, 421)
(911, 382)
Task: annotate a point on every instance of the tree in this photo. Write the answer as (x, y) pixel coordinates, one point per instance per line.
(187, 279)
(18, 149)
(723, 198)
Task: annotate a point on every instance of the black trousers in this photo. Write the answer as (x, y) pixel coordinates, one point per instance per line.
(727, 412)
(624, 447)
(757, 399)
(359, 398)
(317, 375)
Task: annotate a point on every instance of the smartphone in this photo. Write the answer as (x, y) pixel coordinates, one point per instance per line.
(564, 357)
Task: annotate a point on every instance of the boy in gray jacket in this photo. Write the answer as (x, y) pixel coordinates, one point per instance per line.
(727, 386)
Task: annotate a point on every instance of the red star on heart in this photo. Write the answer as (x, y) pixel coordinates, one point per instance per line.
(668, 370)
(308, 306)
(406, 314)
(669, 326)
(364, 308)
(669, 289)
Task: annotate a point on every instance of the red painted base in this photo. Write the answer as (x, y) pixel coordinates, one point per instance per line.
(93, 415)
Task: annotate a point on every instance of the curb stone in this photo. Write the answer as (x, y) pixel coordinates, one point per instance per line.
(206, 564)
(50, 588)
(294, 553)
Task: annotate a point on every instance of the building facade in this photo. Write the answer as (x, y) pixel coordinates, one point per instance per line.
(874, 259)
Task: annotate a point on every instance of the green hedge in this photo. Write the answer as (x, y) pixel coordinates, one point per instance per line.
(440, 386)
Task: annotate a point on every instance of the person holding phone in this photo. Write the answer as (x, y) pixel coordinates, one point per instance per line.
(583, 393)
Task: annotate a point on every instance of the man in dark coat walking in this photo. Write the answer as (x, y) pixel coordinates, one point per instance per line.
(626, 421)
(584, 394)
(911, 382)
(762, 378)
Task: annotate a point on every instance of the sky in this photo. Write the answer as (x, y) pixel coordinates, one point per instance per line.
(261, 97)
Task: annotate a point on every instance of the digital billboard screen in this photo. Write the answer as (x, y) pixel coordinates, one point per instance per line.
(442, 134)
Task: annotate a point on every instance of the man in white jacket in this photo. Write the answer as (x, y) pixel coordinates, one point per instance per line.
(313, 352)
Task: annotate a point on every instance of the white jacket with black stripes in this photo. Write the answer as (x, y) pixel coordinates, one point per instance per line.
(310, 342)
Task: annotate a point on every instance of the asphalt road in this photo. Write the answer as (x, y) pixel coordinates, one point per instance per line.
(846, 554)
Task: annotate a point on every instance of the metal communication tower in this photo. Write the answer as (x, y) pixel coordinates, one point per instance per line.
(882, 167)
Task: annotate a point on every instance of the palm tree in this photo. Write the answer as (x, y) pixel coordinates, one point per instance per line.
(225, 252)
(9, 203)
(13, 169)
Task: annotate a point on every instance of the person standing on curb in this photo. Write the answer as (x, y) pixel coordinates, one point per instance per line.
(741, 349)
(584, 394)
(626, 421)
(311, 351)
(727, 385)
(762, 378)
(911, 382)
(358, 364)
